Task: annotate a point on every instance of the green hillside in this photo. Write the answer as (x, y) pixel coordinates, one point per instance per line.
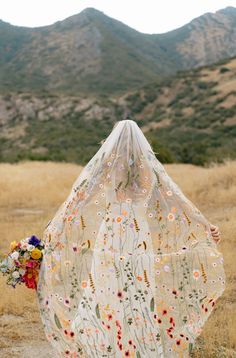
(188, 118)
(193, 114)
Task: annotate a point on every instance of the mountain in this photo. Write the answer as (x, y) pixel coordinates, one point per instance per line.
(86, 52)
(93, 53)
(205, 40)
(189, 117)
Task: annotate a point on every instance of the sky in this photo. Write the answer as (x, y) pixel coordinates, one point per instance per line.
(148, 16)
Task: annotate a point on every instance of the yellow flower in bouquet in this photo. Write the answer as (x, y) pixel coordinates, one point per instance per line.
(13, 245)
(23, 261)
(36, 254)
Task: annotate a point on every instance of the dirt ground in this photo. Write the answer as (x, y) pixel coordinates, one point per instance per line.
(30, 194)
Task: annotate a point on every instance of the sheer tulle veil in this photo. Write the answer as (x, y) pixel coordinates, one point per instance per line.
(130, 267)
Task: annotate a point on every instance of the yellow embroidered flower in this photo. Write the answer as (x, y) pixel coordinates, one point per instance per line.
(36, 254)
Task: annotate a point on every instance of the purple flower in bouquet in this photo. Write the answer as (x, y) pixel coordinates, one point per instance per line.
(34, 241)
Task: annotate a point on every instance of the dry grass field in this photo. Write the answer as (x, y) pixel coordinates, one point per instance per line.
(31, 192)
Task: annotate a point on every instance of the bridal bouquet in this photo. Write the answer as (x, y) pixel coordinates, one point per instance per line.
(22, 264)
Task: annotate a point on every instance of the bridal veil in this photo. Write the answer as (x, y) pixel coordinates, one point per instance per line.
(130, 268)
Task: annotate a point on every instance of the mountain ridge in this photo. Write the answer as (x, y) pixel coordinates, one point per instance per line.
(91, 52)
(94, 11)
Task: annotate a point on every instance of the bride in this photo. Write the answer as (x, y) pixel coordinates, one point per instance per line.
(131, 267)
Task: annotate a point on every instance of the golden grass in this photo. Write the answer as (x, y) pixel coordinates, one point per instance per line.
(31, 192)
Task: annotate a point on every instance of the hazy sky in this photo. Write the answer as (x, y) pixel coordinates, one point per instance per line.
(150, 16)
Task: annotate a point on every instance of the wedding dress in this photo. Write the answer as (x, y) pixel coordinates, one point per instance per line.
(130, 268)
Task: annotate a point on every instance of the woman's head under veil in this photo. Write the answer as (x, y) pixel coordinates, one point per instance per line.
(130, 267)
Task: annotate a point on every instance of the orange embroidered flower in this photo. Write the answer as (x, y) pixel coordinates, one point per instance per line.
(196, 274)
(81, 195)
(84, 284)
(122, 258)
(75, 211)
(139, 278)
(119, 219)
(59, 245)
(170, 217)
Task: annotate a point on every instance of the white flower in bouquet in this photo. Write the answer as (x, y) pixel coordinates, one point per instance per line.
(10, 262)
(15, 255)
(22, 271)
(4, 265)
(30, 247)
(26, 255)
(15, 274)
(24, 246)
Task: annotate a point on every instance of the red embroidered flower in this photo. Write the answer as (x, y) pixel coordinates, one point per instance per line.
(119, 294)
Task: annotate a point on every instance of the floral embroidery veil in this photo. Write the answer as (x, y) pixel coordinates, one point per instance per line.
(130, 267)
